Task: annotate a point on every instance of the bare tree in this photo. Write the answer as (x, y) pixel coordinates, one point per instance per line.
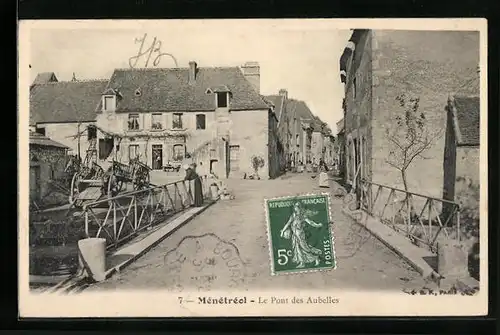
(410, 136)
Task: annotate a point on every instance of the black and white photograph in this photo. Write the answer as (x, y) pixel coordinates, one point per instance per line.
(148, 150)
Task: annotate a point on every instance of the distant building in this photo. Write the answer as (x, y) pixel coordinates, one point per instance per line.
(329, 146)
(376, 67)
(340, 148)
(284, 126)
(47, 163)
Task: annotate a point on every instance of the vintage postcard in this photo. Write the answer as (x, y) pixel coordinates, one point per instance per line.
(219, 168)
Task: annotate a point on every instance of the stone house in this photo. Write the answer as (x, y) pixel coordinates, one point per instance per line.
(321, 141)
(461, 154)
(340, 148)
(64, 110)
(329, 146)
(47, 163)
(214, 116)
(295, 129)
(301, 127)
(284, 126)
(376, 67)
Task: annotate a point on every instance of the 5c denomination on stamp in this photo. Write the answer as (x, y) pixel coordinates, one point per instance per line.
(299, 232)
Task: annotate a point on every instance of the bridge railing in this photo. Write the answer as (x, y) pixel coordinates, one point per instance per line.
(422, 219)
(122, 217)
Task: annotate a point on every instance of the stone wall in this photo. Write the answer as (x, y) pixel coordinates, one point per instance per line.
(250, 131)
(358, 104)
(425, 64)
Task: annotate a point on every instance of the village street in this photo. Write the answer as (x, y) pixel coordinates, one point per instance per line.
(238, 227)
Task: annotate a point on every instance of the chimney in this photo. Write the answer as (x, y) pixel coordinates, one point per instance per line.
(251, 71)
(193, 68)
(284, 93)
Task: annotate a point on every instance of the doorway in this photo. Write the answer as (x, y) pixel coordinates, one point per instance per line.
(157, 156)
(234, 157)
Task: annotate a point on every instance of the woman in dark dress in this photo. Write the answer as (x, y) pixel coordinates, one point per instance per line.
(198, 190)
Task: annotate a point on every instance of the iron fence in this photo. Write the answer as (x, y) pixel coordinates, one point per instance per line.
(422, 219)
(120, 218)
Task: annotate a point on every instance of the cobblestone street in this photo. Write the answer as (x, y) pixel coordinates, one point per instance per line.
(204, 253)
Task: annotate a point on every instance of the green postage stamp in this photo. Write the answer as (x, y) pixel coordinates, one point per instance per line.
(300, 235)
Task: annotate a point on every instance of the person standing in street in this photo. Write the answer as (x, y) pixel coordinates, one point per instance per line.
(198, 187)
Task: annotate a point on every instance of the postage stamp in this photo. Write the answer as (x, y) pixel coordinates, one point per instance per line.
(300, 235)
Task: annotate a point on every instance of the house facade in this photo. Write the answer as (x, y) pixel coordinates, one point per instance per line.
(461, 155)
(47, 163)
(376, 68)
(329, 147)
(340, 148)
(284, 127)
(65, 110)
(214, 117)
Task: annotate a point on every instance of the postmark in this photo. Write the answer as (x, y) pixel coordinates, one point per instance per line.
(300, 235)
(204, 263)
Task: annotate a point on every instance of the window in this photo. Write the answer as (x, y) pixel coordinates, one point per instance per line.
(354, 88)
(40, 131)
(234, 152)
(105, 147)
(179, 151)
(156, 121)
(133, 151)
(108, 103)
(91, 133)
(200, 121)
(133, 122)
(221, 99)
(177, 121)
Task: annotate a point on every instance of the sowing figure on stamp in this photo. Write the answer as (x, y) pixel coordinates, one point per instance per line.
(302, 252)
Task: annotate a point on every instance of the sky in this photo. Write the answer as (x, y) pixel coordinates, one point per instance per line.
(300, 56)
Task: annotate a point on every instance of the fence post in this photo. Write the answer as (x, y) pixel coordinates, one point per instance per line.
(86, 222)
(408, 214)
(430, 219)
(114, 222)
(136, 224)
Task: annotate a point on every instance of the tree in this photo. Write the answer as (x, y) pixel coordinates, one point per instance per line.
(409, 137)
(257, 163)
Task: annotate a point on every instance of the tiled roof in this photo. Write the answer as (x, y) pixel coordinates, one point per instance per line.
(301, 109)
(467, 117)
(168, 89)
(277, 101)
(39, 139)
(45, 77)
(318, 123)
(67, 101)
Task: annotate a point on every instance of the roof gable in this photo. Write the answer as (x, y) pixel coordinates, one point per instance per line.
(45, 77)
(169, 89)
(69, 101)
(302, 111)
(278, 102)
(467, 120)
(39, 139)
